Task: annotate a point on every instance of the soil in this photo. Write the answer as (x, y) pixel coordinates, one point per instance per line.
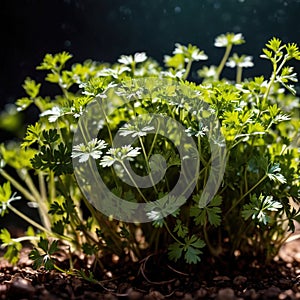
(155, 278)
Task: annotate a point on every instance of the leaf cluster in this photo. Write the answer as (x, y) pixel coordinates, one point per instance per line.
(257, 117)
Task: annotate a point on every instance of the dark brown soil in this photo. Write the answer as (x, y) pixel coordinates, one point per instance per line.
(155, 278)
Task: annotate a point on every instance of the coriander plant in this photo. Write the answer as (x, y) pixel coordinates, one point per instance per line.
(132, 121)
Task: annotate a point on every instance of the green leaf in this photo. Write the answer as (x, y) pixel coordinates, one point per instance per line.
(56, 208)
(37, 258)
(33, 134)
(267, 53)
(249, 210)
(50, 136)
(54, 78)
(192, 255)
(23, 103)
(53, 247)
(273, 110)
(54, 62)
(58, 227)
(274, 175)
(5, 192)
(43, 244)
(256, 128)
(274, 44)
(260, 209)
(16, 156)
(57, 159)
(30, 231)
(165, 206)
(45, 258)
(292, 50)
(198, 243)
(48, 263)
(69, 206)
(175, 251)
(181, 230)
(213, 214)
(192, 249)
(176, 61)
(32, 89)
(5, 236)
(210, 213)
(13, 248)
(199, 215)
(89, 249)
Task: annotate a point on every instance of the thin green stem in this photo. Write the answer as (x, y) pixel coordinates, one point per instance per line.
(133, 181)
(42, 187)
(172, 235)
(27, 179)
(273, 77)
(63, 271)
(266, 95)
(154, 141)
(147, 164)
(18, 186)
(37, 225)
(245, 180)
(212, 250)
(188, 69)
(42, 207)
(223, 61)
(28, 220)
(26, 238)
(244, 195)
(282, 64)
(51, 187)
(107, 125)
(239, 72)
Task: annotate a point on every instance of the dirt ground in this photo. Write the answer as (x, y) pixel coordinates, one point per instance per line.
(155, 278)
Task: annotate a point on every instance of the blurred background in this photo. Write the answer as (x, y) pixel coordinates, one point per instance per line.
(104, 29)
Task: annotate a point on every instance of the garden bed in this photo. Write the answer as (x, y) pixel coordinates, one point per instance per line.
(144, 280)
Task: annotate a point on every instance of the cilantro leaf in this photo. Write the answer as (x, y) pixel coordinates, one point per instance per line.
(175, 251)
(210, 213)
(44, 258)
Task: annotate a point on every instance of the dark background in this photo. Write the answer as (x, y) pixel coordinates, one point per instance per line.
(104, 29)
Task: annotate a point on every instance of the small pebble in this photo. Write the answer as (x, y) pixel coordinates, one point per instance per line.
(201, 293)
(154, 295)
(286, 295)
(272, 292)
(177, 283)
(188, 296)
(226, 294)
(239, 280)
(110, 297)
(22, 287)
(296, 288)
(284, 283)
(134, 295)
(179, 294)
(250, 294)
(221, 278)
